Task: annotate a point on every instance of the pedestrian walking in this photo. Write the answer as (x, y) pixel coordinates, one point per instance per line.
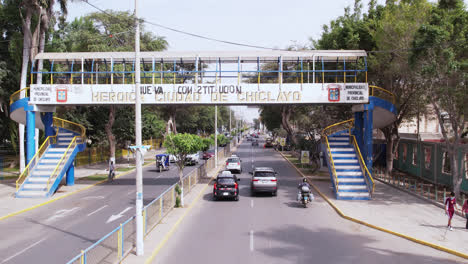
(465, 211)
(450, 206)
(111, 171)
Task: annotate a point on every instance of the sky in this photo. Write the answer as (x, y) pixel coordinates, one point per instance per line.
(268, 23)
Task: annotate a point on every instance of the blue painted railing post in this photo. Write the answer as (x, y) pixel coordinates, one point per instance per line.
(48, 120)
(368, 125)
(30, 134)
(71, 175)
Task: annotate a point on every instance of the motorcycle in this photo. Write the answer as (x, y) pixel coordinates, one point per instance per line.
(305, 196)
(162, 162)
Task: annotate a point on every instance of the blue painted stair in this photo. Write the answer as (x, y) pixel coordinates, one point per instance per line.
(42, 181)
(351, 182)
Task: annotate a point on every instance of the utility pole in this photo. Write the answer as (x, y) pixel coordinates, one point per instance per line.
(230, 128)
(216, 135)
(139, 172)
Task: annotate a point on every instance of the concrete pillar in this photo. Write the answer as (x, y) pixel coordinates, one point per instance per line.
(47, 119)
(30, 134)
(358, 128)
(71, 175)
(368, 125)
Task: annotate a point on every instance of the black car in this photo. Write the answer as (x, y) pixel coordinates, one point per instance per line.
(255, 143)
(268, 143)
(226, 186)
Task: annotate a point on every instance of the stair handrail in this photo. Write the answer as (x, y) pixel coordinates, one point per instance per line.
(347, 123)
(373, 92)
(17, 95)
(364, 169)
(56, 170)
(75, 127)
(34, 160)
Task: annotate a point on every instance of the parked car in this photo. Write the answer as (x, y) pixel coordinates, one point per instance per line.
(264, 180)
(172, 158)
(233, 163)
(226, 186)
(255, 143)
(207, 155)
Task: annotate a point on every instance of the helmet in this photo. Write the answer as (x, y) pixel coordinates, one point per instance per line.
(304, 180)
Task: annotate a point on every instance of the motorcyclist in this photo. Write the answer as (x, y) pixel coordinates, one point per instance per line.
(302, 184)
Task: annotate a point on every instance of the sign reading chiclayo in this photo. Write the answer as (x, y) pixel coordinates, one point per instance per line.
(230, 94)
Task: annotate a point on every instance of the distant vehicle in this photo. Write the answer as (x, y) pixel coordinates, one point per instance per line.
(226, 186)
(192, 159)
(264, 180)
(249, 138)
(234, 164)
(172, 158)
(268, 143)
(162, 162)
(207, 155)
(255, 143)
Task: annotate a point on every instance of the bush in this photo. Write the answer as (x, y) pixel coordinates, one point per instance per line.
(177, 202)
(177, 189)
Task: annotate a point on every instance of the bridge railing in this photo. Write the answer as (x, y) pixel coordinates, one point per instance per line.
(117, 244)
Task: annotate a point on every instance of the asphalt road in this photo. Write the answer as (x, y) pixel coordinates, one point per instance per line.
(266, 229)
(57, 232)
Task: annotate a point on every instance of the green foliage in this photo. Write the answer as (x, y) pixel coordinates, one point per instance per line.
(177, 201)
(222, 139)
(207, 142)
(177, 189)
(181, 145)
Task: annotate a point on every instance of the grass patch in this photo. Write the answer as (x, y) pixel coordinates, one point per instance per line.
(15, 170)
(125, 169)
(95, 177)
(9, 177)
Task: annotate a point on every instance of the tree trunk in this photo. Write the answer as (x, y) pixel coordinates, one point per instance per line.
(286, 112)
(181, 175)
(456, 175)
(110, 135)
(24, 68)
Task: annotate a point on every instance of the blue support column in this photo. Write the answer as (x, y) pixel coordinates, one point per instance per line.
(30, 133)
(368, 125)
(358, 128)
(71, 175)
(47, 120)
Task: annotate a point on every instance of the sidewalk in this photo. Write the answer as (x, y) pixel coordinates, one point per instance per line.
(9, 204)
(404, 213)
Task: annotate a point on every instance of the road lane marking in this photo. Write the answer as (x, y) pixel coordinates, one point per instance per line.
(117, 216)
(22, 251)
(251, 203)
(97, 210)
(62, 213)
(130, 192)
(251, 240)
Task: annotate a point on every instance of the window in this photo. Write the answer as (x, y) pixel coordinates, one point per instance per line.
(405, 151)
(415, 154)
(264, 174)
(446, 162)
(427, 157)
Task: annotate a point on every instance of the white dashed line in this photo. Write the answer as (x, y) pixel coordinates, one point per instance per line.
(97, 210)
(251, 240)
(22, 251)
(251, 203)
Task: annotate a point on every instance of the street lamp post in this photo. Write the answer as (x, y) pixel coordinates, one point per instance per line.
(216, 136)
(138, 143)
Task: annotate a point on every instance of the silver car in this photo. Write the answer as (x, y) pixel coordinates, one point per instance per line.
(233, 163)
(264, 180)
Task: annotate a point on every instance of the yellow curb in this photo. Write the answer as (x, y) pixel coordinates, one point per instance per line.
(66, 195)
(176, 225)
(422, 242)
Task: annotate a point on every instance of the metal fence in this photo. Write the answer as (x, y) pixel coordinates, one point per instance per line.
(116, 245)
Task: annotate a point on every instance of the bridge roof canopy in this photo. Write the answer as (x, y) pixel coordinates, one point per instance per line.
(208, 56)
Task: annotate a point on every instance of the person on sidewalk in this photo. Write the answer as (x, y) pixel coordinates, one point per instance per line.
(465, 211)
(111, 175)
(450, 206)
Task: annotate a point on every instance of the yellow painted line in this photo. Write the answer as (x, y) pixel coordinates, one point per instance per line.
(422, 242)
(176, 225)
(66, 195)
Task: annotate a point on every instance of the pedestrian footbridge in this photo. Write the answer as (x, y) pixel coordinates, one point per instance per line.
(199, 78)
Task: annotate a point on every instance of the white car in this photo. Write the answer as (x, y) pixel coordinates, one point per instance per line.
(172, 158)
(234, 164)
(192, 159)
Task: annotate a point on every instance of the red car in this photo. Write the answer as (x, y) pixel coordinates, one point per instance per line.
(208, 155)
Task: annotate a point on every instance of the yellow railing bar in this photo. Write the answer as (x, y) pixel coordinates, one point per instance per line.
(363, 163)
(12, 97)
(26, 170)
(337, 124)
(383, 90)
(62, 121)
(73, 142)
